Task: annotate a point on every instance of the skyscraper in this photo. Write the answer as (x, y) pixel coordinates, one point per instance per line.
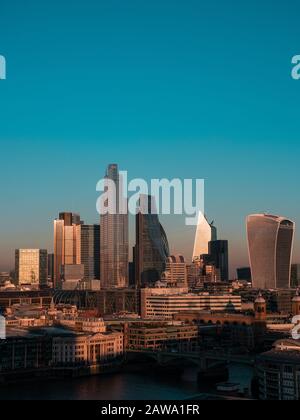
(67, 243)
(205, 233)
(218, 251)
(51, 267)
(31, 266)
(152, 248)
(270, 243)
(114, 238)
(90, 251)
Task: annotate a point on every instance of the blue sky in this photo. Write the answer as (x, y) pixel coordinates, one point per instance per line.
(190, 89)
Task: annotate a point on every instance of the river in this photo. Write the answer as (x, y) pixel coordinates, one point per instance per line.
(121, 386)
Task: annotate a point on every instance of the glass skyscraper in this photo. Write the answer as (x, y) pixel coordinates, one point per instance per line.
(152, 248)
(90, 251)
(270, 243)
(114, 238)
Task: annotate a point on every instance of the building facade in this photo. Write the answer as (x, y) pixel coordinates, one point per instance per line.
(270, 243)
(158, 337)
(295, 275)
(164, 304)
(152, 248)
(176, 271)
(205, 233)
(278, 371)
(90, 251)
(67, 243)
(87, 349)
(31, 266)
(244, 274)
(114, 234)
(218, 251)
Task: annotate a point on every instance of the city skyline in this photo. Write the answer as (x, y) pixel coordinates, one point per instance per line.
(193, 233)
(166, 89)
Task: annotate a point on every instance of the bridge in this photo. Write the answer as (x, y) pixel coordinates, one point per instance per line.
(203, 360)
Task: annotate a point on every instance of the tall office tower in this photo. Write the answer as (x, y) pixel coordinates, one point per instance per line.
(67, 243)
(218, 251)
(152, 248)
(114, 236)
(176, 271)
(90, 251)
(31, 266)
(51, 267)
(295, 275)
(270, 243)
(205, 233)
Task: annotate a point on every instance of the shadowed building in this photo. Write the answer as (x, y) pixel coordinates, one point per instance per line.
(152, 248)
(244, 273)
(218, 251)
(270, 242)
(51, 267)
(295, 275)
(90, 251)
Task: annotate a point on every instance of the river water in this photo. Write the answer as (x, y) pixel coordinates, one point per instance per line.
(122, 386)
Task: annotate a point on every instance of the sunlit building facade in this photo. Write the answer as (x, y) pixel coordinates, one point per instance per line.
(114, 238)
(152, 248)
(165, 303)
(31, 266)
(205, 233)
(67, 243)
(176, 271)
(270, 243)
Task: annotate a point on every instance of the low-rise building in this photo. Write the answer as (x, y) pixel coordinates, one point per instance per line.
(278, 371)
(164, 303)
(87, 349)
(157, 336)
(23, 350)
(94, 325)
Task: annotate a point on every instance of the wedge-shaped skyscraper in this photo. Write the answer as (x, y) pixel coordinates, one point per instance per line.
(205, 233)
(270, 243)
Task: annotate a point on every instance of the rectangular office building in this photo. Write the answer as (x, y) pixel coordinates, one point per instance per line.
(31, 266)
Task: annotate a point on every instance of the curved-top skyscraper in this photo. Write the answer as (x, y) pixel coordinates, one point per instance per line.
(270, 243)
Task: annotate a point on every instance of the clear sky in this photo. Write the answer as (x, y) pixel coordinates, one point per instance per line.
(165, 88)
